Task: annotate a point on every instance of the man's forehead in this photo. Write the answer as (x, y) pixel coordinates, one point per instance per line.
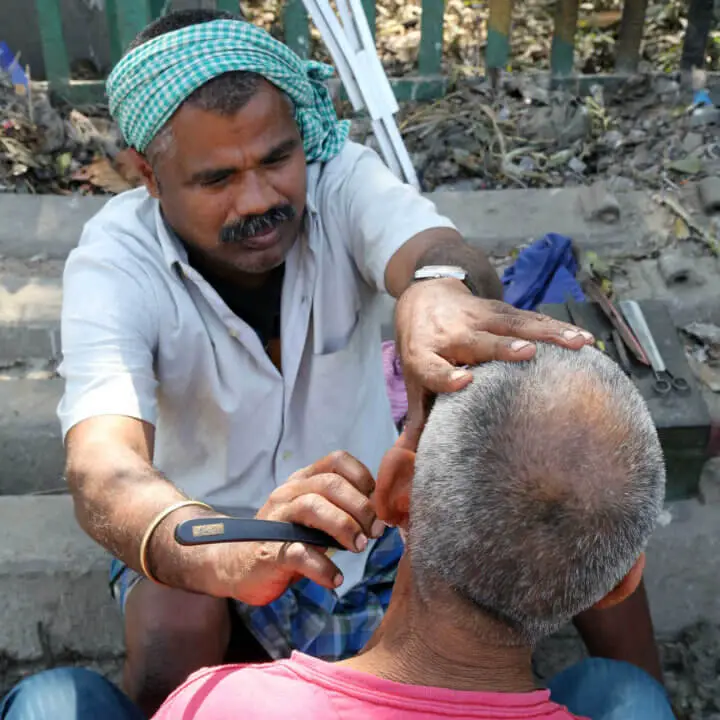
(264, 125)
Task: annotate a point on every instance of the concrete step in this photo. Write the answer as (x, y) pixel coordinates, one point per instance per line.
(54, 585)
(32, 457)
(30, 303)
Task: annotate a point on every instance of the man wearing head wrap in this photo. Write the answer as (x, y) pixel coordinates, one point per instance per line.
(220, 335)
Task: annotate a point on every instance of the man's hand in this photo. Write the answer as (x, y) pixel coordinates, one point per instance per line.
(441, 326)
(331, 495)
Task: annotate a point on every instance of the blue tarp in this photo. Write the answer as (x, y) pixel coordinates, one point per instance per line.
(17, 74)
(543, 273)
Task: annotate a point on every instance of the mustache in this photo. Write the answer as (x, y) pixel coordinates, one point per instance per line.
(252, 225)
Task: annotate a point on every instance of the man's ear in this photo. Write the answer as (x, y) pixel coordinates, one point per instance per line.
(145, 172)
(625, 588)
(393, 484)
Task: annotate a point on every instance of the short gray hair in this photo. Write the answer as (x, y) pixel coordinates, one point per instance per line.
(536, 489)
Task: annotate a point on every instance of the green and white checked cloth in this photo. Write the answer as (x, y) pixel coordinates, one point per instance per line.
(151, 82)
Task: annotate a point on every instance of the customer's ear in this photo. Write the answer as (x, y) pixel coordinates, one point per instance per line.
(393, 484)
(625, 588)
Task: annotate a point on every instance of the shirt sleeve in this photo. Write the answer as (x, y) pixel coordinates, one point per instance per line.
(109, 334)
(374, 211)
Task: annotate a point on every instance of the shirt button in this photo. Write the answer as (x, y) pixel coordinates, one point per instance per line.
(234, 334)
(286, 455)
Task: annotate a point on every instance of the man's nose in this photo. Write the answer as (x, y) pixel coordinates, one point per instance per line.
(256, 195)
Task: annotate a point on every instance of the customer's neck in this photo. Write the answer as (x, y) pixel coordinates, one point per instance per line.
(439, 647)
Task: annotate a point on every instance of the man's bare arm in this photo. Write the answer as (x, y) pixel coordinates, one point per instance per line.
(118, 493)
(441, 246)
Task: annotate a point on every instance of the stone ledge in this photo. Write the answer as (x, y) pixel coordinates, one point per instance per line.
(32, 456)
(497, 220)
(54, 585)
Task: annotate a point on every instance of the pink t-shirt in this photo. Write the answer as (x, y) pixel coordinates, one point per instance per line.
(304, 688)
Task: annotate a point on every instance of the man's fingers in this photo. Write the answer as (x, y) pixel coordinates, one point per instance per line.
(316, 511)
(310, 563)
(438, 374)
(338, 490)
(508, 321)
(343, 463)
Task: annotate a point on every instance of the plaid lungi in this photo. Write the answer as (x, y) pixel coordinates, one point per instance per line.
(308, 617)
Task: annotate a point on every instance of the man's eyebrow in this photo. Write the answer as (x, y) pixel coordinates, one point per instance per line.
(211, 174)
(281, 149)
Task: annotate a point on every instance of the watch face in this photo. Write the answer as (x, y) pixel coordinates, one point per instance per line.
(440, 271)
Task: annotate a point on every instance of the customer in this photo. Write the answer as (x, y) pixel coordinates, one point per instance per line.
(533, 496)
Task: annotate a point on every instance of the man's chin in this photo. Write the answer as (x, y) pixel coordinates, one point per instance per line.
(255, 262)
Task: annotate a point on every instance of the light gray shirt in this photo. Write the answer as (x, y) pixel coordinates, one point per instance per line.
(145, 336)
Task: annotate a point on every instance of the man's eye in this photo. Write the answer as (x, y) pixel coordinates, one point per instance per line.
(215, 180)
(277, 159)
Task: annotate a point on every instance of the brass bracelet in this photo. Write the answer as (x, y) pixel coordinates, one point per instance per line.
(154, 526)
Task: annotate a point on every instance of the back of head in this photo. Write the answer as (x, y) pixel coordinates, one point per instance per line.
(536, 489)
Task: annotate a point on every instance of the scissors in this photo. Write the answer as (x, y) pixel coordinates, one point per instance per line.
(665, 382)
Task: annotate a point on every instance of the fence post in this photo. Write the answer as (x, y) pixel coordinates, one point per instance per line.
(627, 50)
(132, 16)
(156, 8)
(370, 14)
(431, 37)
(232, 6)
(700, 15)
(498, 39)
(563, 43)
(111, 19)
(57, 67)
(295, 28)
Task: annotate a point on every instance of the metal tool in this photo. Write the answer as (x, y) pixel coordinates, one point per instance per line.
(621, 352)
(664, 382)
(616, 320)
(207, 531)
(577, 311)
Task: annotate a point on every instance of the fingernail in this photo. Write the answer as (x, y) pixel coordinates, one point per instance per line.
(587, 335)
(458, 374)
(571, 334)
(338, 580)
(378, 528)
(360, 543)
(518, 345)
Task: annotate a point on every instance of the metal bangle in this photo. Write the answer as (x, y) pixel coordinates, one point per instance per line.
(154, 526)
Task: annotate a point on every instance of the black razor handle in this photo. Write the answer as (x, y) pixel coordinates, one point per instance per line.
(206, 531)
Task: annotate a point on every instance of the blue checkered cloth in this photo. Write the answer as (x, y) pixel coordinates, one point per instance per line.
(151, 81)
(308, 617)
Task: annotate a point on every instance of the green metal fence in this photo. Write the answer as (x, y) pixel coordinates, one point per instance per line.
(125, 18)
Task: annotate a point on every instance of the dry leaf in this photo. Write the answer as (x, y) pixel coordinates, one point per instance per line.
(83, 128)
(102, 174)
(601, 20)
(18, 154)
(680, 229)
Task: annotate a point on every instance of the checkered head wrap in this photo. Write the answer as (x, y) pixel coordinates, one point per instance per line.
(151, 82)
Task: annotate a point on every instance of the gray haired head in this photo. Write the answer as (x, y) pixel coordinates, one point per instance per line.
(536, 489)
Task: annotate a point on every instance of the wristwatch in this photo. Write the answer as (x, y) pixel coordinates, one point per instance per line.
(434, 272)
